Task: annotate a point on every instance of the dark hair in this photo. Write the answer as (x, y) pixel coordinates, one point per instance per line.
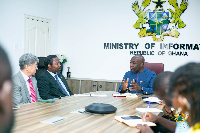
(161, 86)
(5, 68)
(49, 60)
(161, 80)
(187, 78)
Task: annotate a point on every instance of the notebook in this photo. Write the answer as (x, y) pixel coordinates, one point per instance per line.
(132, 120)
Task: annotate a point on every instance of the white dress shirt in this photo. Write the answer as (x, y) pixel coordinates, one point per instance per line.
(53, 74)
(27, 82)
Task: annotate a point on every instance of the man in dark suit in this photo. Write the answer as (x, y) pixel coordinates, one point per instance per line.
(52, 83)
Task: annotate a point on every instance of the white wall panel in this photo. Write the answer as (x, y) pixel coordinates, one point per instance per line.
(84, 27)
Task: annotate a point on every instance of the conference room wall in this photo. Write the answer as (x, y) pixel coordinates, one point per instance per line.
(79, 30)
(12, 24)
(85, 25)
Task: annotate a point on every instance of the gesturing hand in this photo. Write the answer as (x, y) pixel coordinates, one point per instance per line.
(125, 84)
(135, 87)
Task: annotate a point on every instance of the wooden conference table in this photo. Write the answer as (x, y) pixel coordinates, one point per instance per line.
(28, 117)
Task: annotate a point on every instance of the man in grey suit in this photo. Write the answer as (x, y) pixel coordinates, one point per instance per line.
(25, 86)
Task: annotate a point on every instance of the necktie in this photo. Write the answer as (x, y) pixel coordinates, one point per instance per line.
(64, 91)
(33, 95)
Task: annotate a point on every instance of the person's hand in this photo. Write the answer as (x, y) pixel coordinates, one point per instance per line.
(144, 128)
(168, 109)
(125, 84)
(150, 117)
(167, 114)
(135, 87)
(161, 103)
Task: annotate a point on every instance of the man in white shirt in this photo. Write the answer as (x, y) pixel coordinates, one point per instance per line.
(25, 86)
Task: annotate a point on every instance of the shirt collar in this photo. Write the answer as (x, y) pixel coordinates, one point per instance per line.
(52, 74)
(24, 76)
(139, 73)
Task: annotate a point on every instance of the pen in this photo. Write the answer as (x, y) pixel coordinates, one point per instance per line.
(147, 109)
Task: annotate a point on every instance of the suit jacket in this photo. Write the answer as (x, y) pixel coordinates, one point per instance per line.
(21, 93)
(49, 88)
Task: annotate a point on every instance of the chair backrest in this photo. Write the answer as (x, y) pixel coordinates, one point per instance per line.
(156, 67)
(41, 67)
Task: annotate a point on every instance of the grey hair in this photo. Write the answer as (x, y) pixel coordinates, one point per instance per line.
(27, 59)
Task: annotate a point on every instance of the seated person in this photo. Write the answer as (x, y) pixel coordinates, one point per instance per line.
(138, 79)
(184, 90)
(161, 88)
(6, 89)
(52, 83)
(25, 86)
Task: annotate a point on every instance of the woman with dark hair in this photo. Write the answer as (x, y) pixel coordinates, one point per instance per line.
(185, 85)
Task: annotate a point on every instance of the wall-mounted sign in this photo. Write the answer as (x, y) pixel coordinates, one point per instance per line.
(159, 22)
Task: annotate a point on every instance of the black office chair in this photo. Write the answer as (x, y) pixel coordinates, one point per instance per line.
(41, 67)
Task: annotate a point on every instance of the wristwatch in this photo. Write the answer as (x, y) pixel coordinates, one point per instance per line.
(142, 88)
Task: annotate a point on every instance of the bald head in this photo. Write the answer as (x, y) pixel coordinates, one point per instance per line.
(137, 63)
(138, 57)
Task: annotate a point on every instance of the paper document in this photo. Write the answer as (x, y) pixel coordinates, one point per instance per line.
(98, 95)
(124, 95)
(152, 99)
(90, 95)
(53, 120)
(144, 110)
(79, 111)
(132, 120)
(133, 123)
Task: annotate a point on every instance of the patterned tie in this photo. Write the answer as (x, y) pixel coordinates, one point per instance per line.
(33, 95)
(64, 91)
